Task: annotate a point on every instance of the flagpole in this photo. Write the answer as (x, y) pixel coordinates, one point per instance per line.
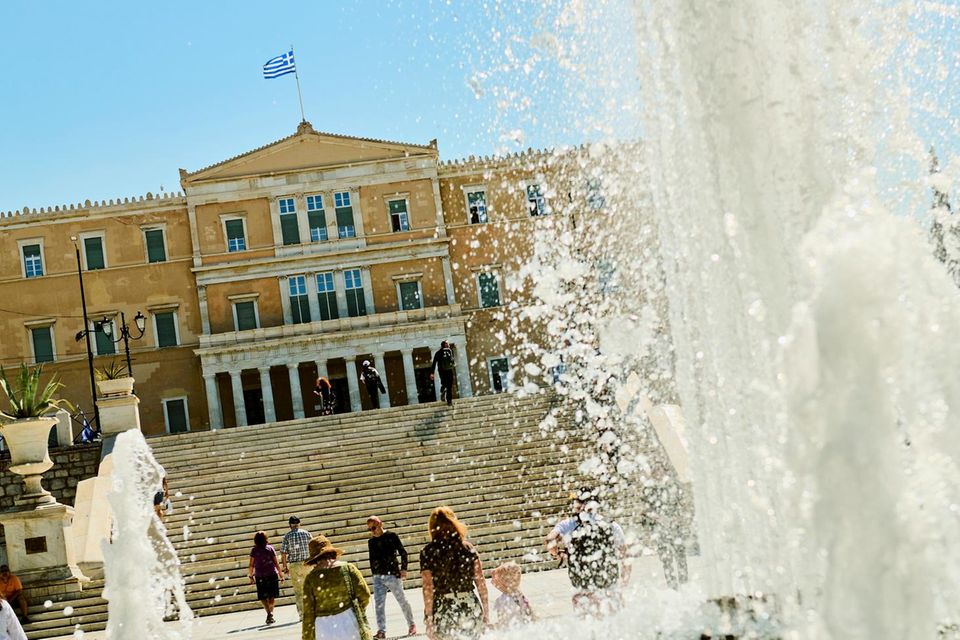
(303, 117)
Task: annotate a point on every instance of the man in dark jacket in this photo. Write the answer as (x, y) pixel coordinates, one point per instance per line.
(443, 361)
(370, 378)
(384, 547)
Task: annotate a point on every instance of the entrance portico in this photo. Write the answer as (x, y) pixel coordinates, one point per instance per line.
(234, 363)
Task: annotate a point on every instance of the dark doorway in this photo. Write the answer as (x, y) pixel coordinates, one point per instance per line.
(253, 400)
(342, 390)
(426, 391)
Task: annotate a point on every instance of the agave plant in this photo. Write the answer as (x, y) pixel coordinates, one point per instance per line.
(113, 371)
(25, 397)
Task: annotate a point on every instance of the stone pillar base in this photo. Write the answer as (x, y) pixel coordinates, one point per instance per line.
(39, 547)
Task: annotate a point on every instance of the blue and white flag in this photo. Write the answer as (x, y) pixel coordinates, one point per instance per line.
(279, 66)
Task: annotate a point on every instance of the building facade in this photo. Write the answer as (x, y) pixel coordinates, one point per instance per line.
(296, 260)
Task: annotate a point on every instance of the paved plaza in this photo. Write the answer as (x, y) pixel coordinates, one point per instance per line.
(548, 592)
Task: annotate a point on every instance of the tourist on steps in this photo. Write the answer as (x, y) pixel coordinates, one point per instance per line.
(455, 605)
(11, 590)
(335, 596)
(594, 550)
(328, 400)
(388, 574)
(10, 628)
(370, 378)
(444, 363)
(264, 570)
(293, 553)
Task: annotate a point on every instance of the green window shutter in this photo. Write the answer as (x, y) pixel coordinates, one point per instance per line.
(356, 306)
(235, 239)
(166, 329)
(398, 206)
(42, 345)
(300, 306)
(93, 247)
(489, 291)
(318, 225)
(105, 343)
(345, 222)
(328, 306)
(246, 316)
(289, 229)
(177, 416)
(156, 252)
(409, 296)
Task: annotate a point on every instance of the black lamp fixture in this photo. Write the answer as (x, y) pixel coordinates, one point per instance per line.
(139, 320)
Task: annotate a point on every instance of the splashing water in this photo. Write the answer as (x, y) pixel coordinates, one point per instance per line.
(141, 570)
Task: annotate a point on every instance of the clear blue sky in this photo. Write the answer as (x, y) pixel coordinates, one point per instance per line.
(109, 99)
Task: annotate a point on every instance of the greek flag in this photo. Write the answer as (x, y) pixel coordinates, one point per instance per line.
(279, 66)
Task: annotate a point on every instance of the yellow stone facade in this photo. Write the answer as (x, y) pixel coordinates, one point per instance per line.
(301, 258)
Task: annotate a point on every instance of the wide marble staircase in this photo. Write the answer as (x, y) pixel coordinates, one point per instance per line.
(484, 456)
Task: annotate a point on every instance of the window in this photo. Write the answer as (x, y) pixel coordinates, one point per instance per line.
(488, 289)
(175, 415)
(289, 227)
(316, 218)
(344, 210)
(327, 295)
(42, 339)
(499, 373)
(299, 302)
(245, 315)
(409, 295)
(236, 235)
(536, 203)
(353, 283)
(156, 247)
(595, 199)
(93, 256)
(32, 260)
(105, 346)
(476, 204)
(165, 325)
(399, 219)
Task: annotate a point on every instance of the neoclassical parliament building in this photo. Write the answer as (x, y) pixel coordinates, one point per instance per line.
(299, 259)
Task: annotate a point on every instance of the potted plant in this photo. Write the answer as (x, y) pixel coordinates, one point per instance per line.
(26, 427)
(113, 379)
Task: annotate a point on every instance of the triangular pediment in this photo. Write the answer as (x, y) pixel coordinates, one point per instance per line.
(307, 149)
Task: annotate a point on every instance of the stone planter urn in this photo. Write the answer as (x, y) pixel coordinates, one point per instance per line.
(26, 439)
(116, 387)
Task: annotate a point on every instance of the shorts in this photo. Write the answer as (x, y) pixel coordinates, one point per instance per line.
(268, 587)
(457, 615)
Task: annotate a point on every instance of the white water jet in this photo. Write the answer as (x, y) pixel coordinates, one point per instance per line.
(141, 570)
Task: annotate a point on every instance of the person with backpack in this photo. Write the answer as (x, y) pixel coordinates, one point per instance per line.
(323, 389)
(370, 378)
(444, 363)
(593, 548)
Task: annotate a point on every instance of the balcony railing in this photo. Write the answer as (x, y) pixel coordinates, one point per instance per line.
(372, 321)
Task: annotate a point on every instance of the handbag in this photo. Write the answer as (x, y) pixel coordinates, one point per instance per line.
(358, 611)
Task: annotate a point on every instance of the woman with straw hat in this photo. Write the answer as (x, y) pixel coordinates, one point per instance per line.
(335, 596)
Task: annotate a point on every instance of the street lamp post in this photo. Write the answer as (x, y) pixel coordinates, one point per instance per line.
(86, 332)
(141, 321)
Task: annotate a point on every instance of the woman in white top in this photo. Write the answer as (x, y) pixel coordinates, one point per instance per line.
(10, 628)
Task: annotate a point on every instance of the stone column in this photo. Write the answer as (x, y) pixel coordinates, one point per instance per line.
(448, 280)
(409, 376)
(322, 369)
(238, 405)
(353, 383)
(368, 290)
(339, 286)
(213, 400)
(436, 383)
(204, 309)
(312, 298)
(266, 392)
(464, 388)
(380, 364)
(296, 393)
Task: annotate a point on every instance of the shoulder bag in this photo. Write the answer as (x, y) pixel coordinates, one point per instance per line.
(358, 611)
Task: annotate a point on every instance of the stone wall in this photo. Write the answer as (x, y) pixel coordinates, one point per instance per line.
(70, 466)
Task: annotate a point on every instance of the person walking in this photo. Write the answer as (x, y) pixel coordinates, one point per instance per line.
(370, 378)
(443, 362)
(594, 550)
(264, 571)
(324, 390)
(10, 628)
(512, 607)
(161, 500)
(455, 602)
(293, 553)
(388, 574)
(335, 596)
